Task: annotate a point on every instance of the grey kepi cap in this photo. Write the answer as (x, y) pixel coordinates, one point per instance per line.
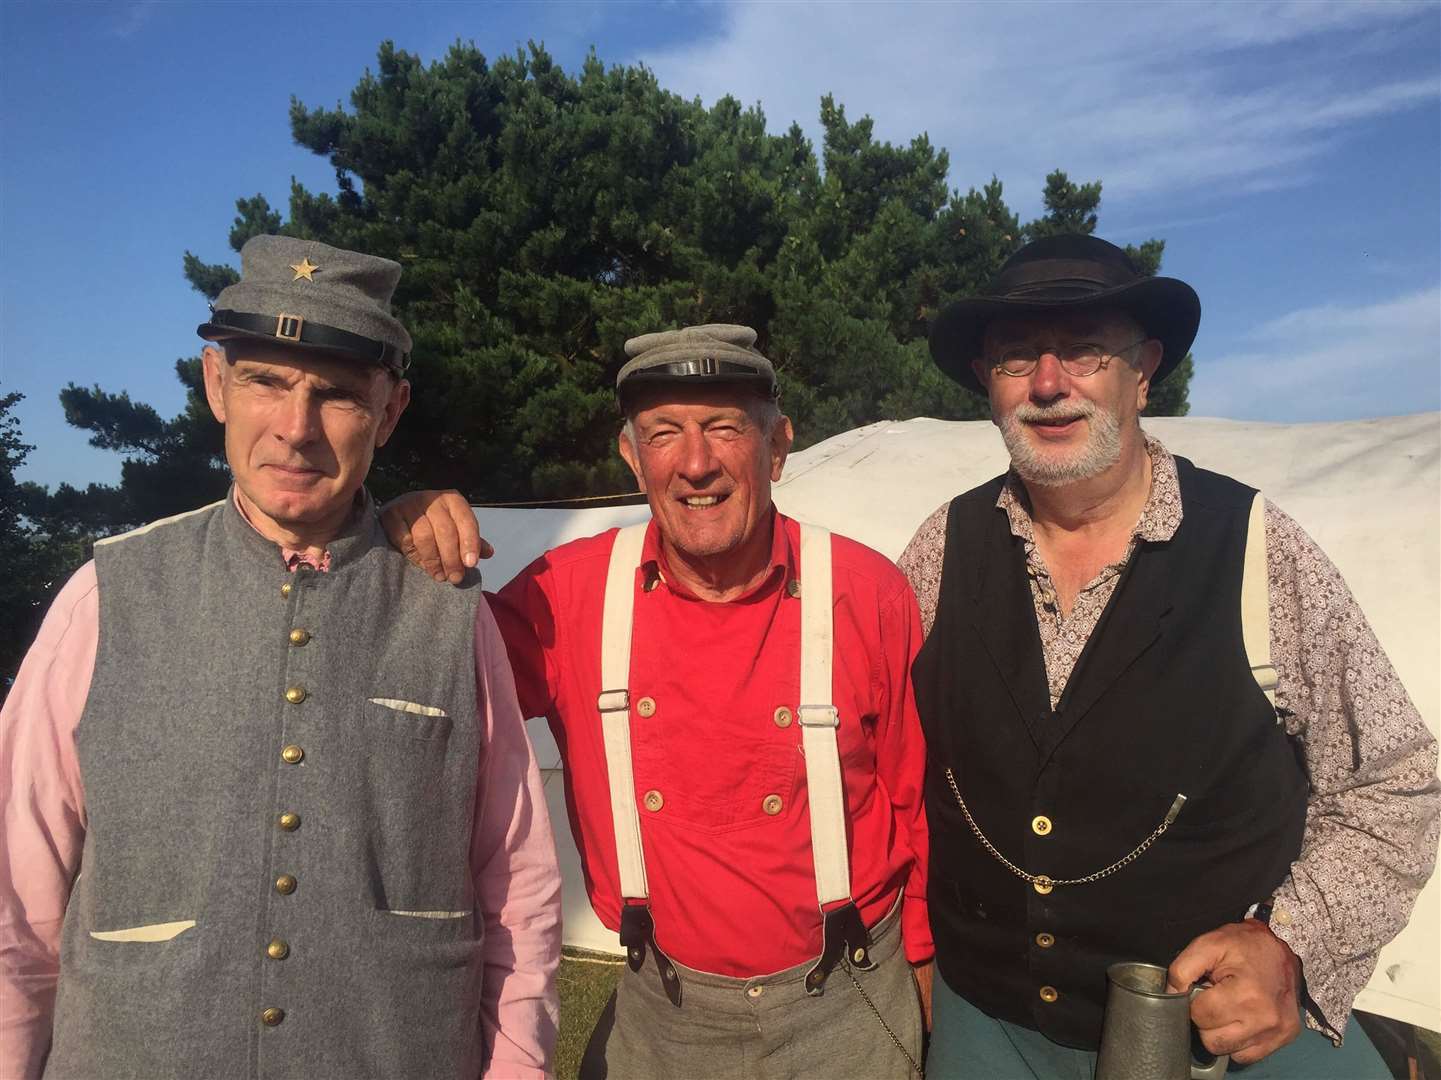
(307, 295)
(713, 353)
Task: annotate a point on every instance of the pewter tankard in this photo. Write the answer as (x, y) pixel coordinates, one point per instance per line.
(1146, 1032)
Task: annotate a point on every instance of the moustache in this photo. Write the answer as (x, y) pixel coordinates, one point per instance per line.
(1062, 412)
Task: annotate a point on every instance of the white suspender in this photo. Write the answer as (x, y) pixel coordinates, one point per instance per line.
(818, 717)
(1256, 602)
(819, 720)
(614, 705)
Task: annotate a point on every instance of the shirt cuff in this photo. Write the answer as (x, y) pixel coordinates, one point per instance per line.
(916, 930)
(1328, 989)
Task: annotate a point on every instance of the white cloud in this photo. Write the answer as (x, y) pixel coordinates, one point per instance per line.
(1156, 98)
(1330, 362)
(127, 20)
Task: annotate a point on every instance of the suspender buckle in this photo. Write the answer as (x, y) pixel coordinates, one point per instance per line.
(846, 940)
(818, 716)
(637, 931)
(613, 701)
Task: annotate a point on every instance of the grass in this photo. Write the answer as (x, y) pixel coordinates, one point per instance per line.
(586, 980)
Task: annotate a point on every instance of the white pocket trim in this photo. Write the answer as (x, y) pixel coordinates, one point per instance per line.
(430, 914)
(162, 931)
(408, 706)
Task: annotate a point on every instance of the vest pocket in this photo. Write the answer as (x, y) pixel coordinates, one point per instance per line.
(410, 817)
(150, 933)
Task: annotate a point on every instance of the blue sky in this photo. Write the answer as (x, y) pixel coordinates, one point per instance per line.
(1289, 154)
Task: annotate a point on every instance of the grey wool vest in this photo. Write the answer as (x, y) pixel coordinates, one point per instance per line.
(279, 774)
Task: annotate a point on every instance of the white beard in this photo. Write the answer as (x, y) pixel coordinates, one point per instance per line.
(1053, 466)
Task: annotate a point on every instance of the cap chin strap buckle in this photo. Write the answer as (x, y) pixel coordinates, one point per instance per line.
(288, 327)
(846, 939)
(637, 932)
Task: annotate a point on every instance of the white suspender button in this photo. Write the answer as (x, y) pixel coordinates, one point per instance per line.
(646, 707)
(772, 805)
(755, 991)
(654, 800)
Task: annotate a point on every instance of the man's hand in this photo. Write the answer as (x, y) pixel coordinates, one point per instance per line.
(1251, 1009)
(925, 977)
(436, 530)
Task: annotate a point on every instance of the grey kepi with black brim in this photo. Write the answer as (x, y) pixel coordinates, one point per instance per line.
(1062, 273)
(694, 355)
(303, 294)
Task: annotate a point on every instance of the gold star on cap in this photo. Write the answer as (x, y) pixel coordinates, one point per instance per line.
(303, 269)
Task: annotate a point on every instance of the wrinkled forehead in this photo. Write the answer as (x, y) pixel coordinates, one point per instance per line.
(1093, 324)
(678, 399)
(256, 356)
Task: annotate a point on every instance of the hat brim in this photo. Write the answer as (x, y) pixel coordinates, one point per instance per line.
(211, 332)
(1167, 308)
(761, 384)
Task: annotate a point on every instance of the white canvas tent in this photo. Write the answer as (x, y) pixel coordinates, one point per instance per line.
(1368, 491)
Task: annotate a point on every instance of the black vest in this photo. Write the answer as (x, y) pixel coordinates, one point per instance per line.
(1161, 702)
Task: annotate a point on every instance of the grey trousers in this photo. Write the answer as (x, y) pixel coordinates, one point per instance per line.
(763, 1028)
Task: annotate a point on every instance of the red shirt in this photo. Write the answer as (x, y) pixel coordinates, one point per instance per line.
(732, 885)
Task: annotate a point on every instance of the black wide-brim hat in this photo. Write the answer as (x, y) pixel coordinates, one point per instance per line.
(1069, 272)
(302, 294)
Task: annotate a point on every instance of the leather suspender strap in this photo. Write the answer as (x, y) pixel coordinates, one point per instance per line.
(614, 706)
(819, 720)
(844, 934)
(1256, 602)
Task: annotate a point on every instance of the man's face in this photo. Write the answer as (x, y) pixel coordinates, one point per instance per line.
(1061, 428)
(300, 428)
(706, 465)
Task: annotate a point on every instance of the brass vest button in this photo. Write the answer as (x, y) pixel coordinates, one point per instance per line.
(277, 950)
(285, 589)
(1043, 884)
(772, 805)
(295, 695)
(654, 801)
(1045, 940)
(291, 754)
(299, 637)
(783, 717)
(272, 1017)
(646, 707)
(1041, 825)
(285, 884)
(1049, 994)
(793, 587)
(289, 821)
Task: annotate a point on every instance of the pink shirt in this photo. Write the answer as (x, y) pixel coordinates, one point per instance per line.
(512, 855)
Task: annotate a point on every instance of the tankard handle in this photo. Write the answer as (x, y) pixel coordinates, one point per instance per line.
(1217, 1068)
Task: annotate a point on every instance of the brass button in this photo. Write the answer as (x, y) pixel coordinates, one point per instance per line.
(646, 707)
(772, 805)
(299, 636)
(289, 821)
(793, 587)
(1043, 884)
(285, 884)
(654, 800)
(277, 950)
(1045, 940)
(285, 589)
(783, 717)
(1049, 994)
(755, 991)
(291, 754)
(272, 1017)
(295, 695)
(1041, 825)
(1281, 917)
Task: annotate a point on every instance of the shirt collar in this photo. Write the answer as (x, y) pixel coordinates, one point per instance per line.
(290, 556)
(1160, 517)
(657, 570)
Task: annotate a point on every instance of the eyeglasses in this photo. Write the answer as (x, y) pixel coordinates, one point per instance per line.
(1080, 358)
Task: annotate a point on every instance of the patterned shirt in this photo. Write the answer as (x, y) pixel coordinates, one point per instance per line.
(1371, 820)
